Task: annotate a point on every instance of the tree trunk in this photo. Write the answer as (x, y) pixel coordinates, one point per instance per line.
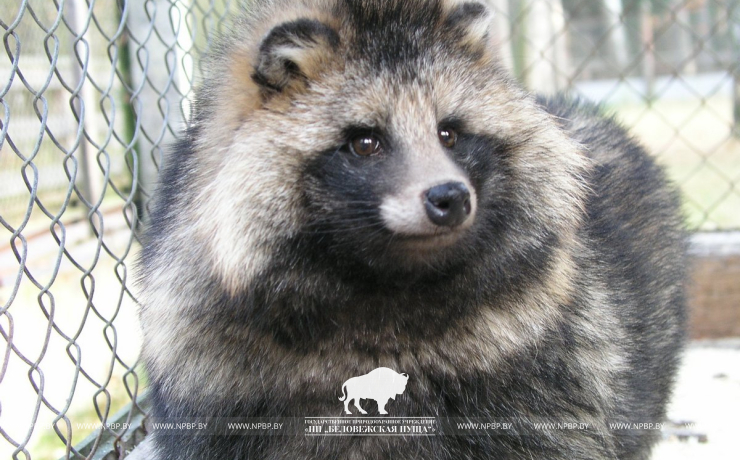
(85, 103)
(614, 12)
(735, 26)
(547, 61)
(156, 103)
(687, 53)
(502, 33)
(648, 44)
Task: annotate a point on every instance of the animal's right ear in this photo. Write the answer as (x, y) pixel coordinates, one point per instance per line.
(292, 51)
(473, 21)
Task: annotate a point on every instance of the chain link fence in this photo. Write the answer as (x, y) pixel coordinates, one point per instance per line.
(92, 92)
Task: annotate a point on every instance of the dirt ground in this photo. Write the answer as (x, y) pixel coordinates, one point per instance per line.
(708, 396)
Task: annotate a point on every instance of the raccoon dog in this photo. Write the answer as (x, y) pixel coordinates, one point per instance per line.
(363, 186)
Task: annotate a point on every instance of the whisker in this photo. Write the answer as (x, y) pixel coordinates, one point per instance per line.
(319, 231)
(340, 223)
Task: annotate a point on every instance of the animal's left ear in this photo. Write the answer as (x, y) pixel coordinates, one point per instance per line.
(293, 50)
(472, 20)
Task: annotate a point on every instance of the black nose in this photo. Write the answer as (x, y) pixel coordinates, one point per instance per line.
(448, 205)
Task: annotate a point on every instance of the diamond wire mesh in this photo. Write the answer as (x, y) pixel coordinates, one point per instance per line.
(90, 92)
(93, 91)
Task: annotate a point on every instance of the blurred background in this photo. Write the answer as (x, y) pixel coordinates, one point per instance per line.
(92, 92)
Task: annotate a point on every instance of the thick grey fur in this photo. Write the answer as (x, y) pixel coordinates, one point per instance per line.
(269, 275)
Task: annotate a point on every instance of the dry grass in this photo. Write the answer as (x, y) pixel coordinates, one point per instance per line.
(693, 140)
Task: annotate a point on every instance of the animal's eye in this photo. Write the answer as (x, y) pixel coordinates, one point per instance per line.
(365, 145)
(447, 137)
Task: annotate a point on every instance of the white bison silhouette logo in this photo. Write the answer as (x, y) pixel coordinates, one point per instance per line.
(381, 385)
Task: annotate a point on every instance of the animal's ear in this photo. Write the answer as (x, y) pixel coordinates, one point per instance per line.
(472, 20)
(293, 50)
